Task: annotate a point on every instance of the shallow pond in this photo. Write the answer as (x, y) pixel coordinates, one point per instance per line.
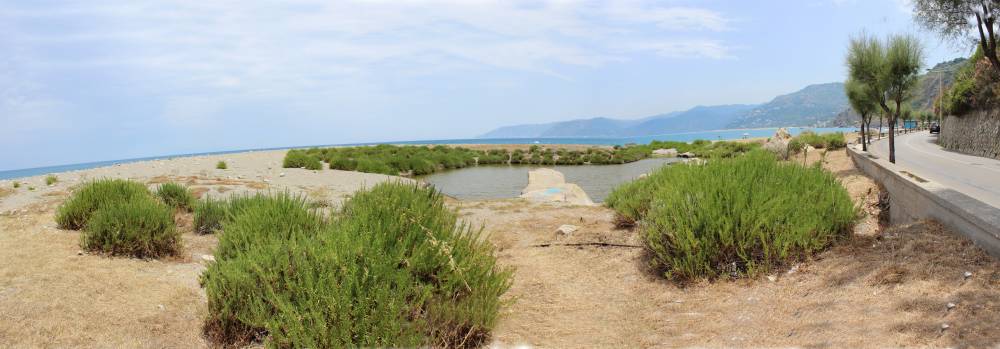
(503, 182)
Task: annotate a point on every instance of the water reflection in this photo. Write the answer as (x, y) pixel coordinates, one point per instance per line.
(501, 182)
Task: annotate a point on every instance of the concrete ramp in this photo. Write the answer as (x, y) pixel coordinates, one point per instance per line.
(548, 185)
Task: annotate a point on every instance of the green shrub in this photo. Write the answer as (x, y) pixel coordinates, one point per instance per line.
(393, 269)
(139, 227)
(738, 216)
(176, 196)
(835, 140)
(301, 159)
(76, 211)
(221, 165)
(17, 185)
(51, 179)
(209, 215)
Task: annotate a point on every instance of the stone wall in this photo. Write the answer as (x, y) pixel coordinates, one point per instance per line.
(911, 199)
(976, 133)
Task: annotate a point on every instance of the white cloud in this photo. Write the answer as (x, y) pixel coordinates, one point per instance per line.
(238, 50)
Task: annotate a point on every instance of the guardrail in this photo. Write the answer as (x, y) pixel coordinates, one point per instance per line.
(914, 198)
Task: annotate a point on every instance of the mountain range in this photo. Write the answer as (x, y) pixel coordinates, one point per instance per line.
(820, 105)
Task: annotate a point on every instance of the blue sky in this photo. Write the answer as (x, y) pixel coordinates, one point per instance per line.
(97, 80)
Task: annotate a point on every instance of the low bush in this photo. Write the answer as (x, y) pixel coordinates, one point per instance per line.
(139, 227)
(208, 215)
(393, 269)
(738, 216)
(221, 165)
(51, 179)
(301, 159)
(17, 185)
(835, 140)
(176, 196)
(77, 210)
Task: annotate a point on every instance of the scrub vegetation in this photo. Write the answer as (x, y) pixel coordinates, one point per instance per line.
(422, 160)
(122, 218)
(734, 217)
(392, 268)
(221, 165)
(830, 141)
(176, 196)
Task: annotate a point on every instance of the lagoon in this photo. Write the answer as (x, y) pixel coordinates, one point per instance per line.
(506, 181)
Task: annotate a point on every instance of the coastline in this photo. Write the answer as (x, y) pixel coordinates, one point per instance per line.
(18, 174)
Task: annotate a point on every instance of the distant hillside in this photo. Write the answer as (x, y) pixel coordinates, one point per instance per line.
(813, 105)
(699, 118)
(930, 83)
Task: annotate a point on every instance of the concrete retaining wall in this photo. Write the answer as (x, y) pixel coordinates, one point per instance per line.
(976, 133)
(912, 198)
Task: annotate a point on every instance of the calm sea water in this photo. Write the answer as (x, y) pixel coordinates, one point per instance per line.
(684, 137)
(504, 181)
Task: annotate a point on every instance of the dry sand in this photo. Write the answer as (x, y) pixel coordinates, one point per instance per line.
(878, 289)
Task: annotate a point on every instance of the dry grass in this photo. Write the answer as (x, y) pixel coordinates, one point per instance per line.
(51, 296)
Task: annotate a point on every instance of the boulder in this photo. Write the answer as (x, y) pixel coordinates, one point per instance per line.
(548, 185)
(666, 152)
(687, 155)
(566, 229)
(778, 144)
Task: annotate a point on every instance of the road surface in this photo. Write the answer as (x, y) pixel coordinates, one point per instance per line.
(918, 153)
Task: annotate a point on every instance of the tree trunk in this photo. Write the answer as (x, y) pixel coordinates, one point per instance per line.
(987, 38)
(892, 133)
(864, 145)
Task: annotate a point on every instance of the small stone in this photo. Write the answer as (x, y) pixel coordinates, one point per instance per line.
(208, 258)
(945, 326)
(772, 278)
(161, 307)
(281, 174)
(968, 274)
(566, 229)
(79, 253)
(950, 305)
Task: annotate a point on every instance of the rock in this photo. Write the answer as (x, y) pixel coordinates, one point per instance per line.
(566, 229)
(782, 134)
(968, 274)
(79, 253)
(548, 185)
(950, 305)
(665, 152)
(772, 278)
(281, 174)
(161, 307)
(778, 144)
(945, 326)
(644, 175)
(208, 258)
(687, 155)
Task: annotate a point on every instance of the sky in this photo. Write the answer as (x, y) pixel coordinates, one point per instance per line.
(93, 80)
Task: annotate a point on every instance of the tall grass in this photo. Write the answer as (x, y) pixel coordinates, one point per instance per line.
(51, 179)
(221, 165)
(139, 227)
(76, 211)
(209, 215)
(393, 268)
(176, 196)
(739, 216)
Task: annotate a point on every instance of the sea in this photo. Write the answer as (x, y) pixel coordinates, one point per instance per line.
(683, 137)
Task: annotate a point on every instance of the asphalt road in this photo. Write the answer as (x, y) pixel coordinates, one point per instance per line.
(919, 154)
